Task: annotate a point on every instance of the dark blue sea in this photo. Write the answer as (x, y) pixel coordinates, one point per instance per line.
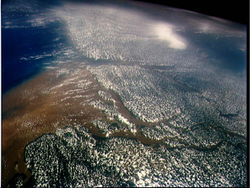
(25, 47)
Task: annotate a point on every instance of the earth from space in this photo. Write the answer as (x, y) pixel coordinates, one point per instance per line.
(121, 93)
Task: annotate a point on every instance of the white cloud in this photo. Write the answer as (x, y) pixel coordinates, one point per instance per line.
(166, 32)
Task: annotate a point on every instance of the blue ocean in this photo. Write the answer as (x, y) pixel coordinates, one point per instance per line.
(26, 47)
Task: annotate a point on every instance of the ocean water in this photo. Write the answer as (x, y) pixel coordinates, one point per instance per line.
(177, 80)
(26, 48)
(224, 51)
(24, 52)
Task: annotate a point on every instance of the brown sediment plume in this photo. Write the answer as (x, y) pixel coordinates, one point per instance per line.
(54, 99)
(31, 110)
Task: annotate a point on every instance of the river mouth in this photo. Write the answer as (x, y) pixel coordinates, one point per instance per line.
(115, 96)
(55, 100)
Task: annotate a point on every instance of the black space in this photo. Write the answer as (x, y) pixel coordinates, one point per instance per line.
(237, 11)
(234, 10)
